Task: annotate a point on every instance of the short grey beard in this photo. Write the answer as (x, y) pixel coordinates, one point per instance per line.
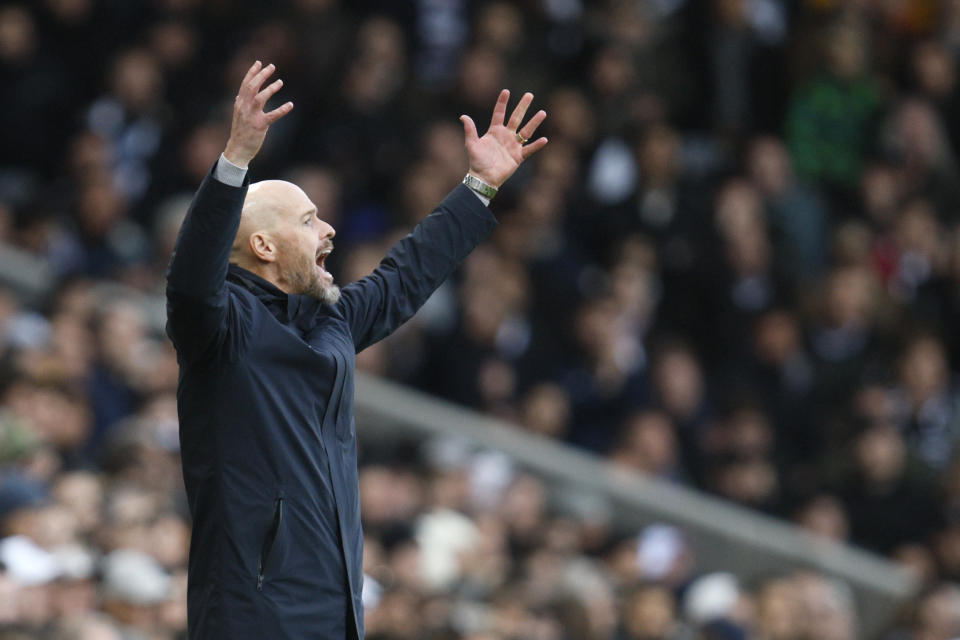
(327, 294)
(313, 287)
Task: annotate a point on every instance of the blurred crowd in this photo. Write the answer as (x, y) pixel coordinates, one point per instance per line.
(735, 267)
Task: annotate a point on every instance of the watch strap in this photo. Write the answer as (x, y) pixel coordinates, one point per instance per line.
(478, 185)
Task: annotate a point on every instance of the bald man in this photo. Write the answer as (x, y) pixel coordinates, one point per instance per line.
(266, 344)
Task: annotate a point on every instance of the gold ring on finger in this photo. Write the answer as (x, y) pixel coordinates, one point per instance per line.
(521, 138)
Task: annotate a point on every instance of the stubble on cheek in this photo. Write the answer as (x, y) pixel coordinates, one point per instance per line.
(305, 280)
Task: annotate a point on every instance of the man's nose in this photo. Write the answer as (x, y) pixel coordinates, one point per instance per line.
(326, 231)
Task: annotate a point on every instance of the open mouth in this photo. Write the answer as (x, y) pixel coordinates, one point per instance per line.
(322, 257)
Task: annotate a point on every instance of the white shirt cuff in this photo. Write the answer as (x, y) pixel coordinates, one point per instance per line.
(229, 173)
(484, 199)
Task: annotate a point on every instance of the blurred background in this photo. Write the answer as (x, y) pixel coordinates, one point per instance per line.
(707, 359)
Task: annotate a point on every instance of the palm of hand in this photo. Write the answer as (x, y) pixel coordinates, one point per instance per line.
(496, 156)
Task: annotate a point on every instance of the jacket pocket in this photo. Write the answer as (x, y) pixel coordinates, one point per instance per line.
(336, 397)
(269, 541)
(344, 395)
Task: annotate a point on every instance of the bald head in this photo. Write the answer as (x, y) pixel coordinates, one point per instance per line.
(270, 206)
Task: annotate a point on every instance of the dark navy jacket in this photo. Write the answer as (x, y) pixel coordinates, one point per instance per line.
(266, 419)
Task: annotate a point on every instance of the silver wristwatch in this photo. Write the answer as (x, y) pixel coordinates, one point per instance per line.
(478, 185)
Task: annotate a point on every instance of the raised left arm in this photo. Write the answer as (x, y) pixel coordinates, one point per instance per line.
(378, 304)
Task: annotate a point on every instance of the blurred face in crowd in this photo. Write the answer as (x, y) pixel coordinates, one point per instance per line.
(659, 155)
(824, 516)
(58, 418)
(17, 34)
(650, 613)
(918, 561)
(501, 26)
(122, 329)
(777, 337)
(82, 493)
(778, 610)
(443, 148)
(99, 208)
(924, 369)
(571, 116)
(934, 68)
(679, 382)
(846, 51)
(918, 131)
(939, 614)
(649, 443)
(612, 72)
(524, 504)
(880, 191)
(748, 433)
(379, 68)
(880, 454)
(281, 236)
(751, 482)
(137, 80)
(175, 43)
(546, 410)
(827, 607)
(202, 148)
(48, 526)
(739, 209)
(596, 327)
(849, 297)
(481, 75)
(919, 232)
(770, 166)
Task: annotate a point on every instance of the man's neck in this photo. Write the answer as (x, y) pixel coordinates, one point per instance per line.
(267, 272)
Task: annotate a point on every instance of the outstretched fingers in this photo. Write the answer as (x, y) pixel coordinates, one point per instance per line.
(250, 123)
(519, 112)
(279, 112)
(252, 71)
(267, 93)
(531, 127)
(254, 84)
(469, 129)
(529, 149)
(500, 109)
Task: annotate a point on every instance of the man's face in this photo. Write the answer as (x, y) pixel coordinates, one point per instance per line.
(304, 242)
(280, 231)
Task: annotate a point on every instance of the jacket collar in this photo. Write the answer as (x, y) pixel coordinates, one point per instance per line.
(282, 305)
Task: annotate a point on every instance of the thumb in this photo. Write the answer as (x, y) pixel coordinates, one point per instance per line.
(469, 129)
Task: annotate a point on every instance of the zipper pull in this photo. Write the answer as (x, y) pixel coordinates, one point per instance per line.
(260, 582)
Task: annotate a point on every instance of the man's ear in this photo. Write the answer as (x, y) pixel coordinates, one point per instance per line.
(263, 246)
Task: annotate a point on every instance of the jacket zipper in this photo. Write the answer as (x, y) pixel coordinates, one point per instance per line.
(268, 542)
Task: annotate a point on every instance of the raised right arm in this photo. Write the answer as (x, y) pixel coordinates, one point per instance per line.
(196, 276)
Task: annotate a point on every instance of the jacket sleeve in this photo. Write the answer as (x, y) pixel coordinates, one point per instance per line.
(196, 277)
(413, 269)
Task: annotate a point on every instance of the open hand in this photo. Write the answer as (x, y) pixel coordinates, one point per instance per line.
(494, 157)
(250, 123)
